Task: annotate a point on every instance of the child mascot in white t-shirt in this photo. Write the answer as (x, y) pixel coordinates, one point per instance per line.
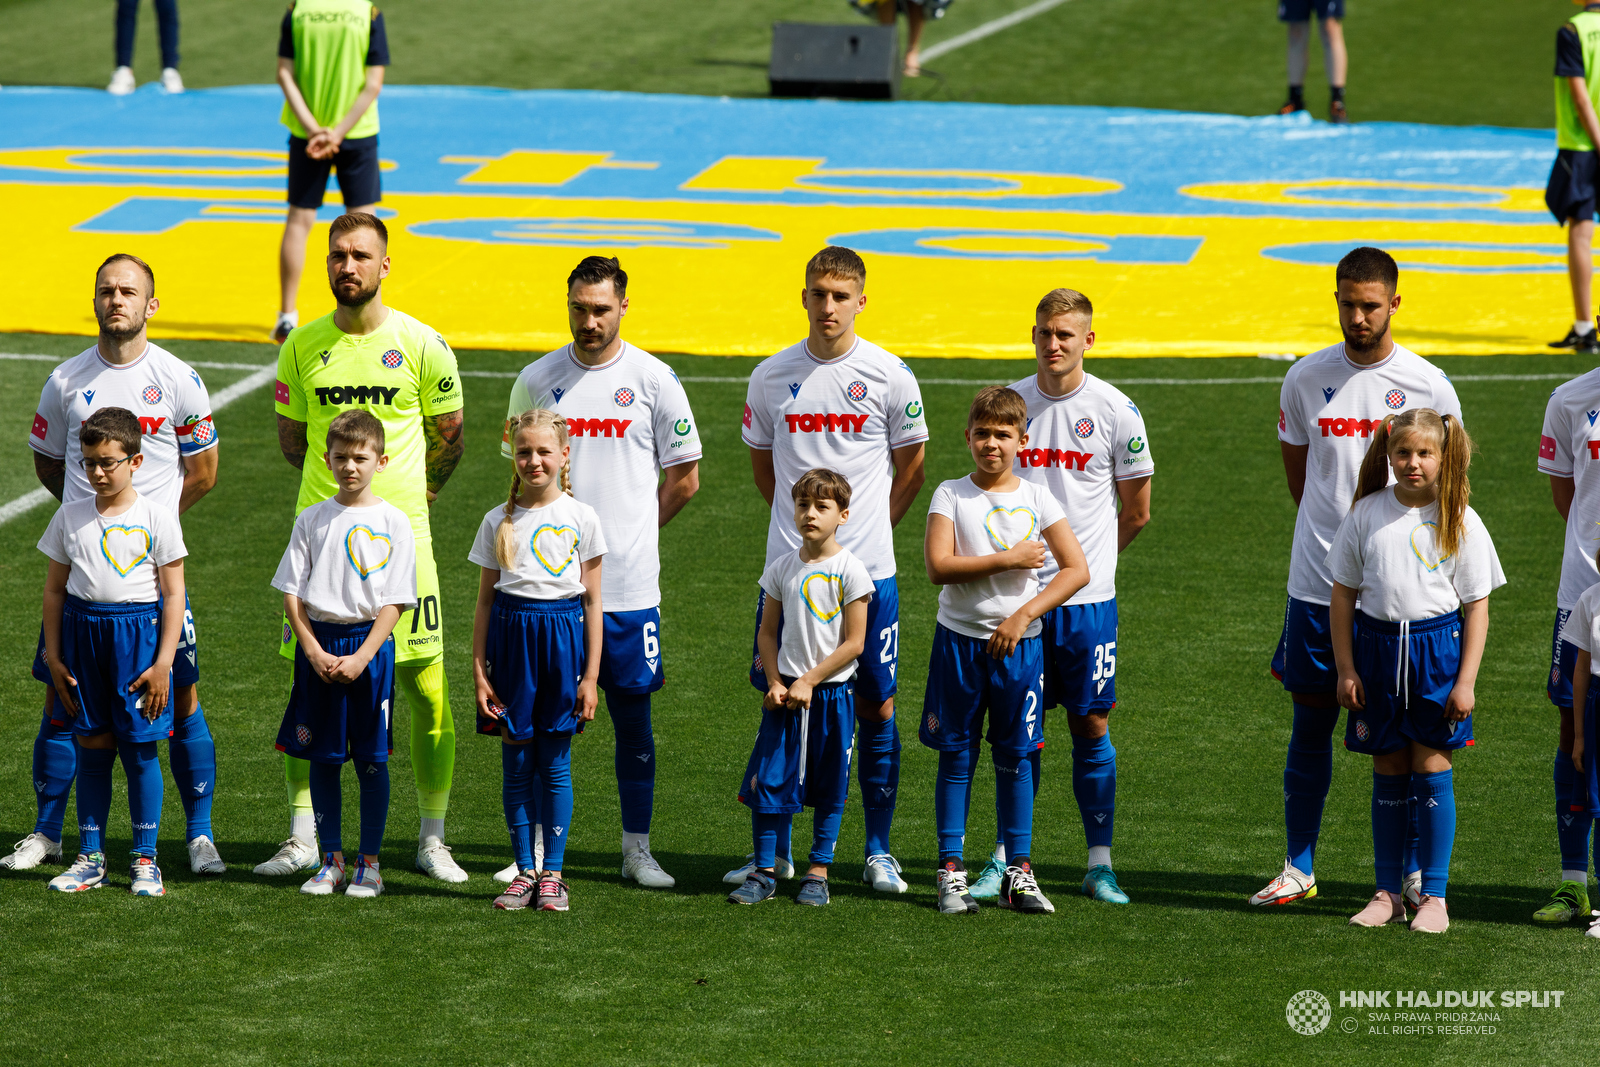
(1422, 566)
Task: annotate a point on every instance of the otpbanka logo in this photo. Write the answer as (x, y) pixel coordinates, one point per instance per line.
(1308, 1012)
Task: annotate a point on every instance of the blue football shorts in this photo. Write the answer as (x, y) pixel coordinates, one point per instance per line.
(802, 758)
(964, 681)
(1407, 671)
(106, 647)
(185, 665)
(333, 722)
(1304, 658)
(630, 652)
(1080, 657)
(536, 652)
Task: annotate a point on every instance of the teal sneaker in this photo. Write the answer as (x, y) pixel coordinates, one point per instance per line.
(1101, 884)
(987, 885)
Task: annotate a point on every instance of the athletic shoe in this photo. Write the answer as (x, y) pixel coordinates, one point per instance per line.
(783, 868)
(367, 881)
(987, 884)
(1101, 884)
(329, 876)
(122, 82)
(203, 857)
(1432, 918)
(145, 878)
(1571, 340)
(1588, 346)
(1569, 901)
(883, 874)
(171, 80)
(639, 866)
(1594, 929)
(292, 857)
(88, 871)
(508, 873)
(435, 861)
(1337, 113)
(1382, 909)
(1290, 107)
(1287, 888)
(953, 896)
(1019, 891)
(813, 891)
(552, 892)
(30, 852)
(1411, 890)
(756, 888)
(286, 321)
(518, 895)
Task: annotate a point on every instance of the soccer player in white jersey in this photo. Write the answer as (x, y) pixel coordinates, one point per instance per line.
(1088, 446)
(1331, 403)
(123, 369)
(1569, 452)
(843, 404)
(636, 461)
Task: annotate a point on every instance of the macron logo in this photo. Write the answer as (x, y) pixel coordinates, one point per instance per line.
(826, 423)
(1327, 393)
(557, 394)
(88, 397)
(1592, 416)
(794, 389)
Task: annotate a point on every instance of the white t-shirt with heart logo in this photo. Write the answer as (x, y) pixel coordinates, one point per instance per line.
(347, 564)
(987, 523)
(813, 596)
(114, 557)
(1387, 552)
(552, 543)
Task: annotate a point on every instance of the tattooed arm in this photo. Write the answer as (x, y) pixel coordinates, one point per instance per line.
(292, 442)
(52, 473)
(445, 447)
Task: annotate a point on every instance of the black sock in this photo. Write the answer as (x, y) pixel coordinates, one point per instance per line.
(1297, 95)
(1020, 861)
(953, 863)
(1336, 93)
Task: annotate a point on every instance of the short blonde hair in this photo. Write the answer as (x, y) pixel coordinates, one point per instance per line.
(1062, 301)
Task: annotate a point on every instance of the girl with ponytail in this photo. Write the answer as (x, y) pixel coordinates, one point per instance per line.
(1419, 561)
(536, 646)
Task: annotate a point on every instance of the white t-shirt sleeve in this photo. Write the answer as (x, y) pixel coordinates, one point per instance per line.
(1579, 629)
(772, 580)
(943, 502)
(49, 434)
(855, 582)
(1291, 420)
(400, 583)
(757, 429)
(168, 537)
(677, 435)
(1346, 554)
(591, 539)
(520, 402)
(482, 552)
(195, 430)
(54, 541)
(294, 569)
(1477, 572)
(1050, 510)
(1555, 441)
(908, 422)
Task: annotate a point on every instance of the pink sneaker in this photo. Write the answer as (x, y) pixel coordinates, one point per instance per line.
(1382, 909)
(1431, 916)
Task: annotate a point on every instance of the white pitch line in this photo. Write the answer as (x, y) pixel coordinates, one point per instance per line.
(219, 400)
(1005, 22)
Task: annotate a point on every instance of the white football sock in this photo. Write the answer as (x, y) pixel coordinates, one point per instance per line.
(1099, 855)
(633, 841)
(304, 826)
(1581, 877)
(1583, 329)
(433, 828)
(1000, 853)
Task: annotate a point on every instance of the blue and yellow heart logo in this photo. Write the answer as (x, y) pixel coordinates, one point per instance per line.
(822, 592)
(555, 547)
(1009, 526)
(1425, 545)
(125, 547)
(367, 549)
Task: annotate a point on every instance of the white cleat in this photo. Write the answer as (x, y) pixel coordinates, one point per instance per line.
(1594, 929)
(292, 857)
(171, 80)
(1287, 888)
(509, 871)
(30, 852)
(435, 861)
(122, 82)
(882, 873)
(203, 857)
(505, 874)
(783, 868)
(639, 866)
(1413, 890)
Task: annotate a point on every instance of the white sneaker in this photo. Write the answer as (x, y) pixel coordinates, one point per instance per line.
(171, 80)
(292, 857)
(287, 321)
(783, 868)
(435, 861)
(1287, 888)
(505, 874)
(329, 876)
(366, 881)
(203, 857)
(1413, 890)
(509, 871)
(1594, 929)
(883, 874)
(122, 82)
(641, 867)
(30, 852)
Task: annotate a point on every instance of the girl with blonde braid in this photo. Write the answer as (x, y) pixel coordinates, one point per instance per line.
(536, 647)
(1422, 566)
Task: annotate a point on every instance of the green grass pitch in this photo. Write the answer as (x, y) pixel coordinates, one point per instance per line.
(244, 970)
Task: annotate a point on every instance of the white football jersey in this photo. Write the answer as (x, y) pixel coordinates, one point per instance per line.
(114, 558)
(1079, 447)
(846, 415)
(987, 523)
(628, 420)
(163, 391)
(813, 596)
(347, 564)
(1332, 405)
(1569, 447)
(551, 545)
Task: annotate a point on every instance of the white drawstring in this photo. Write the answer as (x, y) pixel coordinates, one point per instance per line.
(805, 729)
(1402, 676)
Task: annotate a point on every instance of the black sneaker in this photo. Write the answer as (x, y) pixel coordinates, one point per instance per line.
(1019, 891)
(1588, 345)
(1572, 340)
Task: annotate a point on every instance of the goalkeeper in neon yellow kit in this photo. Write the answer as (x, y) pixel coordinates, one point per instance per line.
(365, 355)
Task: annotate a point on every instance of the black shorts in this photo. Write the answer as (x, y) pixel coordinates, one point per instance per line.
(356, 165)
(1571, 192)
(1300, 10)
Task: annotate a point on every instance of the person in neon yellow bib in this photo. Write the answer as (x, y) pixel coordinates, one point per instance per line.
(369, 356)
(1571, 193)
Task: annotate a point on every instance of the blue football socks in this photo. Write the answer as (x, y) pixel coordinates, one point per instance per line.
(516, 793)
(950, 796)
(1436, 828)
(635, 758)
(1391, 825)
(1306, 776)
(554, 763)
(878, 772)
(1094, 783)
(142, 766)
(55, 764)
(824, 835)
(94, 796)
(193, 754)
(327, 803)
(373, 778)
(1573, 823)
(1013, 782)
(766, 829)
